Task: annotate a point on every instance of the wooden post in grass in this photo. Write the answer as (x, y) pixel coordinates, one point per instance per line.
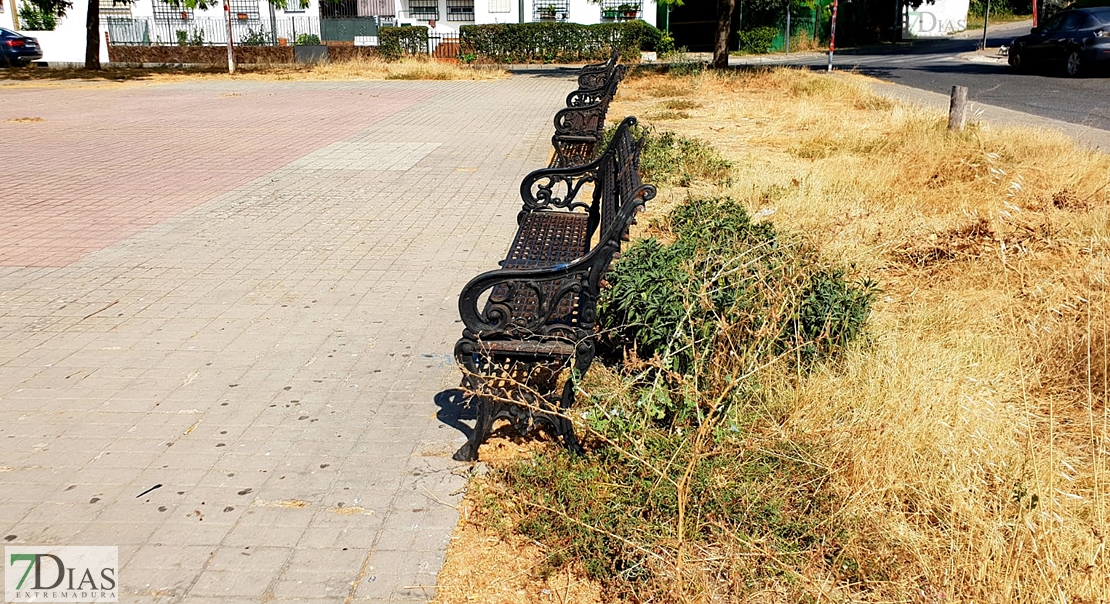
(957, 109)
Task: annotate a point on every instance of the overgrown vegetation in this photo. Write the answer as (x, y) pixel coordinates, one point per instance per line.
(723, 283)
(758, 40)
(956, 453)
(307, 40)
(33, 17)
(671, 159)
(701, 325)
(559, 42)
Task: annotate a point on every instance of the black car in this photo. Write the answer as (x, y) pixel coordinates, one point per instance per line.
(17, 49)
(1072, 41)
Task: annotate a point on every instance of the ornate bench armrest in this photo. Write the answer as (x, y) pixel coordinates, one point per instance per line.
(544, 289)
(549, 287)
(549, 188)
(587, 96)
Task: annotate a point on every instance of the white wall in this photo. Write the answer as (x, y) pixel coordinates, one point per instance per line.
(579, 11)
(944, 18)
(66, 44)
(7, 9)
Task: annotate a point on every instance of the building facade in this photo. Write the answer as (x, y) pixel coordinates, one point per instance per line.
(260, 22)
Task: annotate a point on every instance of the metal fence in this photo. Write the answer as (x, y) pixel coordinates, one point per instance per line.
(443, 46)
(213, 31)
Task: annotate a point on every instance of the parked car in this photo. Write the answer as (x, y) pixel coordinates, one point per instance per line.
(18, 50)
(1071, 41)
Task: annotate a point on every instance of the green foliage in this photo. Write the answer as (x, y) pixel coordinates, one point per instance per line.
(671, 159)
(558, 42)
(256, 37)
(184, 39)
(396, 42)
(307, 40)
(1001, 7)
(33, 18)
(729, 284)
(617, 515)
(759, 40)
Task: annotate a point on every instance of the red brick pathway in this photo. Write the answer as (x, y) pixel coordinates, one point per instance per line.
(108, 163)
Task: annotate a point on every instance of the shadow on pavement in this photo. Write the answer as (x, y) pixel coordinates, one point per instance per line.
(453, 408)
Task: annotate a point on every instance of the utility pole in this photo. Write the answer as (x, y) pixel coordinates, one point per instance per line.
(230, 38)
(520, 9)
(986, 18)
(786, 39)
(832, 35)
(273, 22)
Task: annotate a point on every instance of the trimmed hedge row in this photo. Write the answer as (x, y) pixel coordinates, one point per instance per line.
(555, 42)
(397, 41)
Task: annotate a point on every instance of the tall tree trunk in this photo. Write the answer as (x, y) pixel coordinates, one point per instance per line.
(725, 9)
(92, 36)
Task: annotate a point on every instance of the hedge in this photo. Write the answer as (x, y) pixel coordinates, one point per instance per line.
(397, 41)
(555, 42)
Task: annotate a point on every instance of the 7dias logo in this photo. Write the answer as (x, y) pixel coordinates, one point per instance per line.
(61, 574)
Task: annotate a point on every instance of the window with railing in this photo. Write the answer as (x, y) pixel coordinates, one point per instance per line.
(424, 10)
(164, 11)
(339, 9)
(620, 9)
(460, 10)
(245, 10)
(376, 8)
(113, 8)
(499, 6)
(550, 10)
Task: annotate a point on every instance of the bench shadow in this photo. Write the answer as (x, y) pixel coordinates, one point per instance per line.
(453, 409)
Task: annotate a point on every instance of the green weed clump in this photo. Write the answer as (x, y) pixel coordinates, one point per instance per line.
(691, 488)
(672, 159)
(727, 283)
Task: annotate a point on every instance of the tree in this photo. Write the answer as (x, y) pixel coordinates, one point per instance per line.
(92, 35)
(725, 8)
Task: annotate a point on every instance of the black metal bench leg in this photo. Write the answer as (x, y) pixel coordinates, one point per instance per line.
(483, 425)
(563, 427)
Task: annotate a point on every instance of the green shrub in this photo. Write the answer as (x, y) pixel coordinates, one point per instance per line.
(692, 490)
(728, 284)
(759, 40)
(558, 42)
(672, 159)
(396, 42)
(307, 40)
(259, 37)
(618, 516)
(33, 18)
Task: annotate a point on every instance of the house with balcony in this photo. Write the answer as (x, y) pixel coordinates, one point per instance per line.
(257, 22)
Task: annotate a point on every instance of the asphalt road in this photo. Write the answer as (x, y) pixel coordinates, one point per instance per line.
(937, 66)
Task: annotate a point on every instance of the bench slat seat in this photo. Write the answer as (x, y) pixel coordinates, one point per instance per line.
(548, 239)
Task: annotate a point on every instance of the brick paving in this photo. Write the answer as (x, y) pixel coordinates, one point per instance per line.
(245, 292)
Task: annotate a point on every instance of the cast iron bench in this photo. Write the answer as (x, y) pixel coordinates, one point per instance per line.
(594, 76)
(580, 127)
(531, 320)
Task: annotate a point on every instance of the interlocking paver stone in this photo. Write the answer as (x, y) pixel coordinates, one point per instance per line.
(244, 292)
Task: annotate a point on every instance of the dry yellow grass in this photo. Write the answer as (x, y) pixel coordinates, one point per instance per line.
(972, 432)
(968, 439)
(414, 68)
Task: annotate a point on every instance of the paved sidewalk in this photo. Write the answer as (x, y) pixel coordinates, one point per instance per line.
(245, 292)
